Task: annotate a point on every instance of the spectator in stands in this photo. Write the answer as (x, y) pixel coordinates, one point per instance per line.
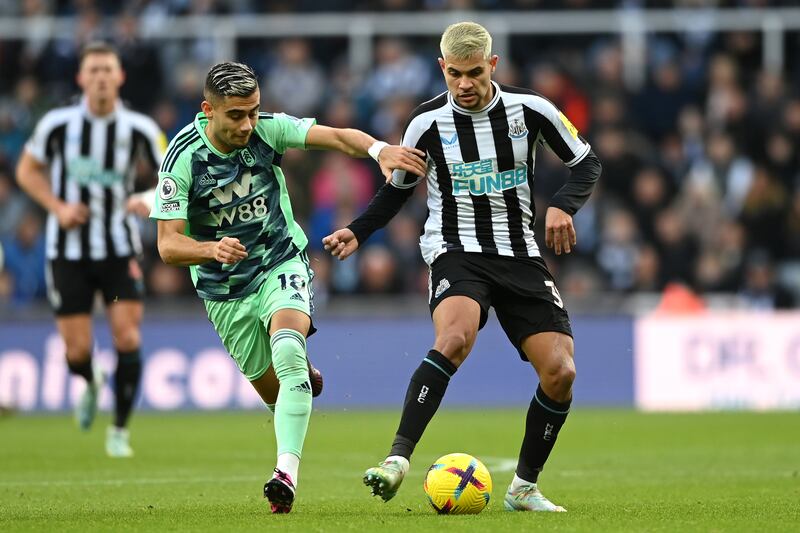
(723, 172)
(619, 248)
(676, 246)
(722, 114)
(398, 72)
(761, 290)
(24, 258)
(556, 86)
(378, 272)
(763, 213)
(13, 205)
(295, 82)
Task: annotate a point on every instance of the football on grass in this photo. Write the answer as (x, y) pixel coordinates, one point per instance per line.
(458, 483)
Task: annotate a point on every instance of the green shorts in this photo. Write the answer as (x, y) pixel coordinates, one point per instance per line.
(243, 324)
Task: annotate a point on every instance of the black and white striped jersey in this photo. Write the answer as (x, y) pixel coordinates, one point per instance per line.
(480, 169)
(92, 160)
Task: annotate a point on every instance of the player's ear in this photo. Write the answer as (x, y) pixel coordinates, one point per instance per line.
(493, 61)
(207, 108)
(441, 64)
(79, 78)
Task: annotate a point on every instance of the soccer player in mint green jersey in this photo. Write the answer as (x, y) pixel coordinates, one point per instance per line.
(223, 210)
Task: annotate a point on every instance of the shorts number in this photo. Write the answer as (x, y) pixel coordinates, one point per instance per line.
(296, 281)
(556, 296)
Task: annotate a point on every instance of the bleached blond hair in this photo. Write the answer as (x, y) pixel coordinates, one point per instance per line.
(465, 39)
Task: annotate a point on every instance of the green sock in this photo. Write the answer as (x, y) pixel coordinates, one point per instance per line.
(293, 408)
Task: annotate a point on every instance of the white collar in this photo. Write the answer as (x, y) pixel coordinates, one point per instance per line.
(485, 108)
(110, 116)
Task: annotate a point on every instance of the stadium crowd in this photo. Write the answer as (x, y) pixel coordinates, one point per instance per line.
(700, 181)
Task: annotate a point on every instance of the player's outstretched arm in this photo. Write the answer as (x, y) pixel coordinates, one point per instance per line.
(141, 203)
(178, 249)
(341, 243)
(356, 143)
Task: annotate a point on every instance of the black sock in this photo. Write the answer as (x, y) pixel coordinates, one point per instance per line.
(425, 392)
(83, 369)
(545, 418)
(126, 382)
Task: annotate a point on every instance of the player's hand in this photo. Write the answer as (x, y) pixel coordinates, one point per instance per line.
(138, 205)
(229, 251)
(401, 158)
(72, 215)
(559, 233)
(341, 243)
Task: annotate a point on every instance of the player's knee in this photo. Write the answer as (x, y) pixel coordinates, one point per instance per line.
(78, 350)
(79, 356)
(455, 345)
(289, 363)
(557, 379)
(288, 354)
(127, 340)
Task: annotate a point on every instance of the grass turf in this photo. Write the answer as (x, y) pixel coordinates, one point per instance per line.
(613, 471)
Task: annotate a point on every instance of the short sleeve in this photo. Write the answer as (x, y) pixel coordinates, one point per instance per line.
(152, 138)
(560, 135)
(413, 137)
(172, 193)
(282, 131)
(37, 143)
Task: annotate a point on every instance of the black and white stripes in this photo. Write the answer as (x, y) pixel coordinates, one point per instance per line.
(481, 181)
(91, 160)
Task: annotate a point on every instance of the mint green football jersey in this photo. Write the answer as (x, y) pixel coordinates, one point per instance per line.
(241, 194)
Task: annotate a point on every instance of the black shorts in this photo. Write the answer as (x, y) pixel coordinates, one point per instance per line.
(71, 285)
(521, 290)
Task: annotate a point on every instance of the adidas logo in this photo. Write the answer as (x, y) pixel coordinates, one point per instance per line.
(303, 387)
(296, 296)
(207, 180)
(443, 286)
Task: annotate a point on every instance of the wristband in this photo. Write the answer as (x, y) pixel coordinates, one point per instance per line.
(376, 148)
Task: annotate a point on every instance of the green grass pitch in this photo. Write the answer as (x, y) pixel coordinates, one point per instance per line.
(612, 470)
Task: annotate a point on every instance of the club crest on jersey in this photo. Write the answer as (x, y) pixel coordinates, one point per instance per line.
(443, 286)
(168, 188)
(452, 142)
(247, 157)
(517, 129)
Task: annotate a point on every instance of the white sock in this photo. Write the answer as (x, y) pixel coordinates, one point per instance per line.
(289, 463)
(402, 461)
(517, 482)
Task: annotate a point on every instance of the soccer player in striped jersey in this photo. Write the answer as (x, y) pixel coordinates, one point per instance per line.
(80, 166)
(223, 209)
(480, 141)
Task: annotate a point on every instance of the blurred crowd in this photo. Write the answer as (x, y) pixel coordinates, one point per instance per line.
(700, 184)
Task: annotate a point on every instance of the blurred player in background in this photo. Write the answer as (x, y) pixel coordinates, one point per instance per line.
(223, 209)
(79, 166)
(481, 138)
